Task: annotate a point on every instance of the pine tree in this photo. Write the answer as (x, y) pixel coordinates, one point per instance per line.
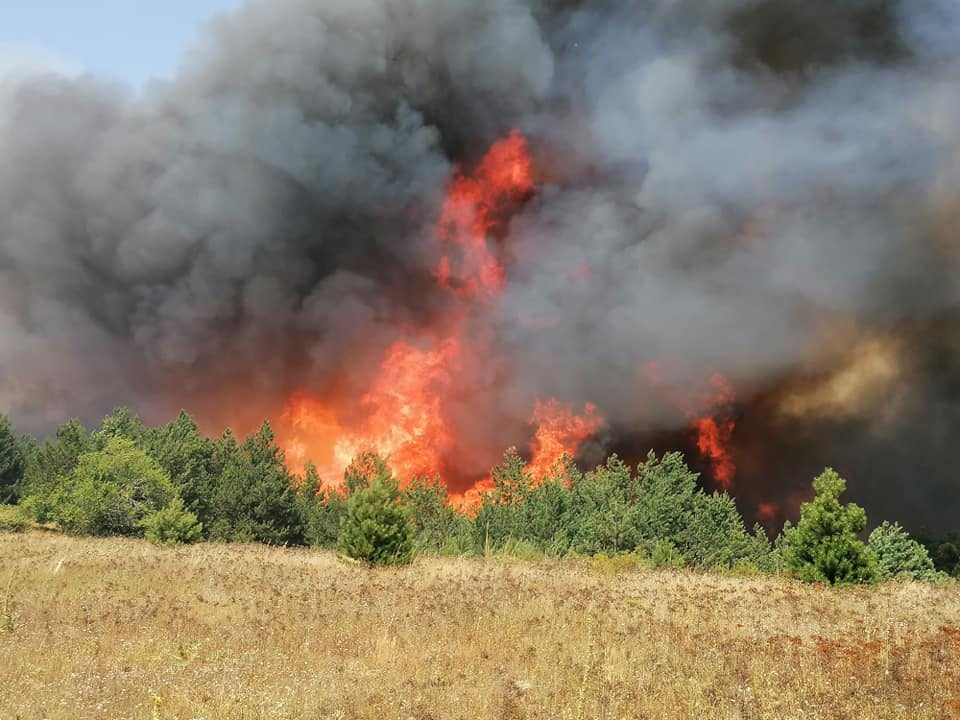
(899, 555)
(600, 516)
(376, 530)
(173, 525)
(11, 463)
(190, 460)
(321, 510)
(500, 517)
(255, 498)
(437, 526)
(121, 423)
(364, 469)
(824, 547)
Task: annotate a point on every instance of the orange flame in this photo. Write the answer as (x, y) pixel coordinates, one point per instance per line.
(403, 414)
(715, 431)
(708, 413)
(560, 432)
(473, 211)
(405, 418)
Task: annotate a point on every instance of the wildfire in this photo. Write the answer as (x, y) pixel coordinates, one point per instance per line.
(560, 432)
(708, 412)
(473, 212)
(715, 431)
(404, 413)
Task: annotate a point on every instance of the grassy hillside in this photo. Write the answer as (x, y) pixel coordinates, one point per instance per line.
(122, 629)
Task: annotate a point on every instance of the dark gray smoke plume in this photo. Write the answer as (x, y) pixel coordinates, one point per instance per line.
(766, 189)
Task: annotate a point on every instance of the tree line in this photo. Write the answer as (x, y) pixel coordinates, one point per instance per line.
(171, 484)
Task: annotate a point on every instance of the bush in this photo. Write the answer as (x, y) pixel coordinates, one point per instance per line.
(899, 555)
(823, 547)
(376, 530)
(49, 464)
(111, 491)
(173, 525)
(716, 537)
(13, 519)
(664, 554)
(604, 564)
(500, 518)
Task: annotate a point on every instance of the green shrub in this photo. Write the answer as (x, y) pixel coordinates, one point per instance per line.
(665, 555)
(823, 547)
(604, 564)
(173, 525)
(13, 519)
(899, 555)
(49, 464)
(376, 530)
(520, 549)
(111, 491)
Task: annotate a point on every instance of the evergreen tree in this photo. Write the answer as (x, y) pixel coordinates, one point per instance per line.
(601, 508)
(364, 470)
(321, 510)
(190, 460)
(543, 515)
(899, 555)
(511, 479)
(255, 498)
(376, 530)
(717, 537)
(173, 525)
(12, 463)
(437, 526)
(666, 502)
(824, 547)
(121, 423)
(500, 516)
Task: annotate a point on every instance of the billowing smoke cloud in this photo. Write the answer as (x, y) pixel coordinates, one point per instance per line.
(765, 189)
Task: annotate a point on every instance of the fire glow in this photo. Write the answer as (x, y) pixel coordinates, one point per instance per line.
(405, 412)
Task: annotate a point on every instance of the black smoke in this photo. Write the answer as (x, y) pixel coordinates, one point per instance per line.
(761, 188)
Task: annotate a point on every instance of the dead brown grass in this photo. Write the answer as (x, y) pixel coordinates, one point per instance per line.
(123, 629)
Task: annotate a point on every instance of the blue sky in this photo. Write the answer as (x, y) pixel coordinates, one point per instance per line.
(128, 40)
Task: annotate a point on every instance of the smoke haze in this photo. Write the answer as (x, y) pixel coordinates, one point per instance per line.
(765, 189)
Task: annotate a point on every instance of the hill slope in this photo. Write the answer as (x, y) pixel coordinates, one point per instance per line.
(117, 628)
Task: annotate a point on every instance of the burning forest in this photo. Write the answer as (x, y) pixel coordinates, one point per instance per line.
(438, 229)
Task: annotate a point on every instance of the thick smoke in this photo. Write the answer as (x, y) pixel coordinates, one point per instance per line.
(767, 189)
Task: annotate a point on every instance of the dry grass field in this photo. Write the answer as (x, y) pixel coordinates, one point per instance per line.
(123, 629)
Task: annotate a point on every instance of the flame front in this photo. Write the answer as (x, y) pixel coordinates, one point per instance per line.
(405, 412)
(560, 431)
(405, 419)
(715, 431)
